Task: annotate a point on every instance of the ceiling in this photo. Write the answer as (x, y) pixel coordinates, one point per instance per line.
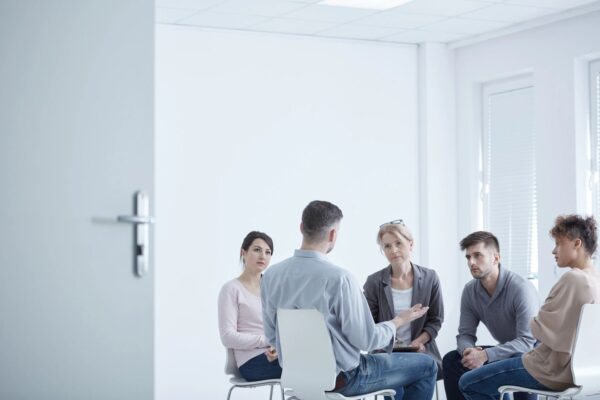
(419, 21)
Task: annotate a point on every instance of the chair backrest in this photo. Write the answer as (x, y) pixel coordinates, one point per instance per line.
(231, 367)
(306, 353)
(585, 363)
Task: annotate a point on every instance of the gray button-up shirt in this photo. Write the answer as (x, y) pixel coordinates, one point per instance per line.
(507, 314)
(309, 281)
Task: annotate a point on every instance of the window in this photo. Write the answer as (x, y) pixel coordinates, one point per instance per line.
(508, 183)
(593, 193)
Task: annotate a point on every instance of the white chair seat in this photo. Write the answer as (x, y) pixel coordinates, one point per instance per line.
(241, 382)
(565, 394)
(237, 381)
(338, 396)
(309, 367)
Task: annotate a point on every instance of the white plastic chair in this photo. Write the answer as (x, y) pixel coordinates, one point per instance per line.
(237, 381)
(307, 355)
(585, 365)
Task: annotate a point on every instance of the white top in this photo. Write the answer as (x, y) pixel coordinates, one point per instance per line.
(402, 300)
(240, 321)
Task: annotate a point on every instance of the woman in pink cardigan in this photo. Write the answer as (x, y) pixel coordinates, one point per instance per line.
(240, 312)
(548, 366)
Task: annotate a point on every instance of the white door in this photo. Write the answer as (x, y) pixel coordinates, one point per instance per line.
(76, 141)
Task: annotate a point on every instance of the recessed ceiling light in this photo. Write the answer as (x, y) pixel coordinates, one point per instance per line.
(370, 4)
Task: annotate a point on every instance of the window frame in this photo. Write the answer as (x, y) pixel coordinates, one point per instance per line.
(489, 89)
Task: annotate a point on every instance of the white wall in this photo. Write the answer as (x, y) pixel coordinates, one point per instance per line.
(555, 55)
(437, 180)
(250, 128)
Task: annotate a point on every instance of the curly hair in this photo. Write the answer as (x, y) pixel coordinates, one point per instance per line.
(577, 227)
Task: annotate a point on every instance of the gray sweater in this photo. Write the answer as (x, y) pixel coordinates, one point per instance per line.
(507, 314)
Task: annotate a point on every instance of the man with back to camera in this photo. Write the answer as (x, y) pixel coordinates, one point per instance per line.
(308, 280)
(505, 303)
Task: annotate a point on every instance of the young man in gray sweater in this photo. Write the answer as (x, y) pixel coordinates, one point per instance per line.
(505, 303)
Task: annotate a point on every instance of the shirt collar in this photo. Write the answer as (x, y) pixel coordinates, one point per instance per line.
(387, 275)
(499, 284)
(310, 254)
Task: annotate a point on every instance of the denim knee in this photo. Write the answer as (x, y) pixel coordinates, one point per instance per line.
(464, 383)
(433, 368)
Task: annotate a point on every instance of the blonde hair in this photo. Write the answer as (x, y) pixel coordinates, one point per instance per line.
(396, 229)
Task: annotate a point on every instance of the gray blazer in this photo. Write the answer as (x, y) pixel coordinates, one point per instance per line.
(426, 290)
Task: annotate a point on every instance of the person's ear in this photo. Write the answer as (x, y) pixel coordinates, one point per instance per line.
(577, 243)
(332, 235)
(302, 227)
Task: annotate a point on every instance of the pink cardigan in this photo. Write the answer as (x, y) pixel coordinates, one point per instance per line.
(240, 322)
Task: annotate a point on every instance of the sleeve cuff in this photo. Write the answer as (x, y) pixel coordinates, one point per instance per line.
(432, 332)
(492, 354)
(461, 346)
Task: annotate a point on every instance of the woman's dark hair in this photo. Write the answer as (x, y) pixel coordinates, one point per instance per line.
(252, 236)
(577, 227)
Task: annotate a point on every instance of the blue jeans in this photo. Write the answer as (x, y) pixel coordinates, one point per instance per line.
(260, 368)
(483, 382)
(411, 375)
(453, 371)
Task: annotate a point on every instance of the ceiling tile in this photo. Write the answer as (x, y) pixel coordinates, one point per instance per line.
(448, 8)
(396, 20)
(354, 31)
(416, 36)
(421, 20)
(330, 14)
(265, 8)
(559, 4)
(509, 13)
(190, 4)
(466, 26)
(295, 26)
(172, 15)
(220, 20)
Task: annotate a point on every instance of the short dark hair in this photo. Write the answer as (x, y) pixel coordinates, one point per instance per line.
(318, 216)
(252, 236)
(487, 238)
(577, 227)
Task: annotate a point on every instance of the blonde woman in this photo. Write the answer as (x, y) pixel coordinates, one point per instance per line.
(403, 284)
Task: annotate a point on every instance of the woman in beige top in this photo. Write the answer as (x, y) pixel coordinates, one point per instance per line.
(548, 366)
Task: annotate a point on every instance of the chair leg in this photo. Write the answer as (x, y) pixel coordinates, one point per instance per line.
(437, 395)
(282, 392)
(271, 393)
(230, 390)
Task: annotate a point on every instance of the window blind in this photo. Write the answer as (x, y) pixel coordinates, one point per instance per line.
(594, 80)
(509, 174)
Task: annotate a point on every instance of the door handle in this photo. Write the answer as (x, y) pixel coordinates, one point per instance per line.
(142, 222)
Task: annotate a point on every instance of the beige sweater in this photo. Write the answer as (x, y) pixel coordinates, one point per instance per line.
(555, 326)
